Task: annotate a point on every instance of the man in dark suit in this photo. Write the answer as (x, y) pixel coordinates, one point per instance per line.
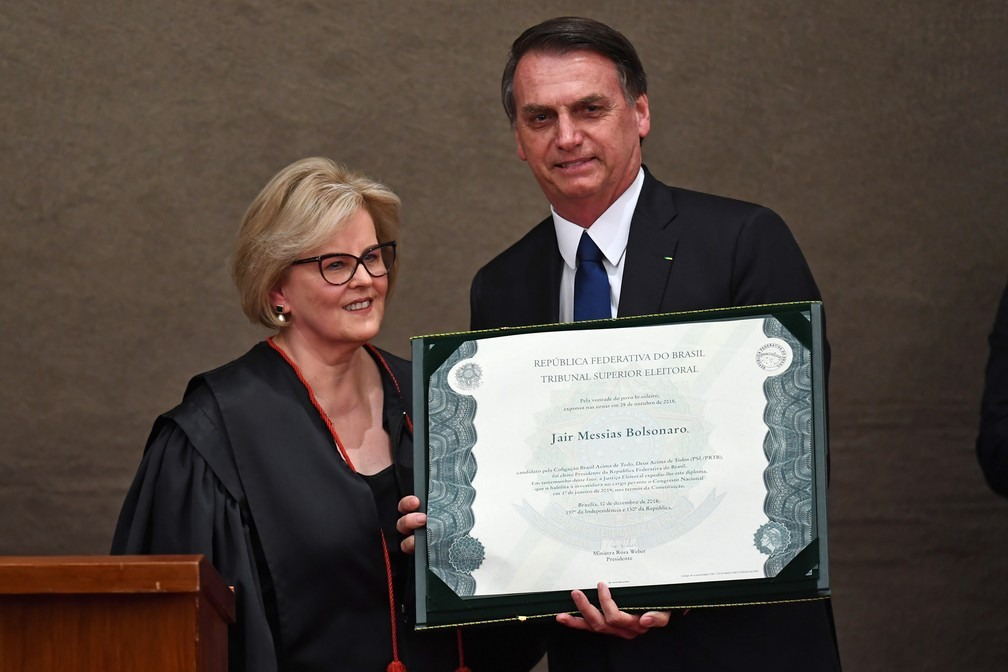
(576, 94)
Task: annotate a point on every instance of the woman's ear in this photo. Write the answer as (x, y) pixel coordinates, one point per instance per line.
(277, 296)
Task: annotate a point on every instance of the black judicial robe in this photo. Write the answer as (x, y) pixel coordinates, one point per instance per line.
(245, 472)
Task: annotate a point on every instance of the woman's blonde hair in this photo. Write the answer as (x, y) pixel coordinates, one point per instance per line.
(304, 205)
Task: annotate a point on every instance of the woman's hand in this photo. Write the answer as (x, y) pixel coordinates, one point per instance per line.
(609, 619)
(410, 521)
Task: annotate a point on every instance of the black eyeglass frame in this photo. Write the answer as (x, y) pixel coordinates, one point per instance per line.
(358, 261)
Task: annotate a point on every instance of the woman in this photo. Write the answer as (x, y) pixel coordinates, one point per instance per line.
(285, 466)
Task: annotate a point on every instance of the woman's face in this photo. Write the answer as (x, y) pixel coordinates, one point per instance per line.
(324, 315)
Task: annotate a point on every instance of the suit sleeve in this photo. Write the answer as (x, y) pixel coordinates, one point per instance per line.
(769, 266)
(992, 442)
(177, 505)
(476, 319)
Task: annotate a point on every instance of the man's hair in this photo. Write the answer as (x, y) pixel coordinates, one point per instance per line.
(566, 34)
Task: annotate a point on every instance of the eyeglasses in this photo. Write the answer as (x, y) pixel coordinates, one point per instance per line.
(337, 269)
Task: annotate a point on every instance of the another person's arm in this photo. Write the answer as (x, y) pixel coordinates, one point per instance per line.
(992, 442)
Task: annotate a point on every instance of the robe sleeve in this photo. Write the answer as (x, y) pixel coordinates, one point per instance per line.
(178, 504)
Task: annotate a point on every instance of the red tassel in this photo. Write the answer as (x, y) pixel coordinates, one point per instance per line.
(461, 652)
(395, 666)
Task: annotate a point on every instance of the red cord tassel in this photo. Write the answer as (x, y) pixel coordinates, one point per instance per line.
(395, 666)
(461, 652)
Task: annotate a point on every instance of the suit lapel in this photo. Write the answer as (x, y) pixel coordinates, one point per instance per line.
(543, 277)
(650, 249)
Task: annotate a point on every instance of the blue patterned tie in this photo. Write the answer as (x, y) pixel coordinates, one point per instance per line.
(591, 284)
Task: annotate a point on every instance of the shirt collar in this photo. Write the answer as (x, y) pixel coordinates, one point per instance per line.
(610, 231)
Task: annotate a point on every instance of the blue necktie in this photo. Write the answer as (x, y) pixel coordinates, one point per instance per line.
(591, 284)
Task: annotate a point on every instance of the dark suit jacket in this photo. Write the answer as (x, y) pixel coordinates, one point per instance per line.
(724, 253)
(686, 251)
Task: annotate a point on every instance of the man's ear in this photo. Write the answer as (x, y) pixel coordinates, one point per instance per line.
(518, 145)
(643, 110)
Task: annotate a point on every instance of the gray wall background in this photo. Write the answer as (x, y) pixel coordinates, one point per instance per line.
(134, 135)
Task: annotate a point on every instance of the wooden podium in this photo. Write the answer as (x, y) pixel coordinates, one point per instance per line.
(155, 613)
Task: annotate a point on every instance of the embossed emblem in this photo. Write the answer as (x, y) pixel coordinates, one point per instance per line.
(466, 554)
(468, 376)
(771, 538)
(771, 356)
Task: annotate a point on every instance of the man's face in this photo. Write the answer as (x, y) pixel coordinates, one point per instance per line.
(576, 130)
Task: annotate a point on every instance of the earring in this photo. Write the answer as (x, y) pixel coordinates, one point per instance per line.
(280, 314)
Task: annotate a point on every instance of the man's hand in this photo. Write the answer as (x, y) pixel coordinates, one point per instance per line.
(609, 620)
(410, 521)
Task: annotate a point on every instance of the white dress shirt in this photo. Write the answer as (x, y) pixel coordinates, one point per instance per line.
(610, 232)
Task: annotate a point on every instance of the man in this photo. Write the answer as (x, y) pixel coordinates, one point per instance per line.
(576, 94)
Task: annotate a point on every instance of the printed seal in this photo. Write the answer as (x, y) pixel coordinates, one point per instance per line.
(773, 356)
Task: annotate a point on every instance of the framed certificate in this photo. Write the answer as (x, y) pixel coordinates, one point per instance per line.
(680, 459)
